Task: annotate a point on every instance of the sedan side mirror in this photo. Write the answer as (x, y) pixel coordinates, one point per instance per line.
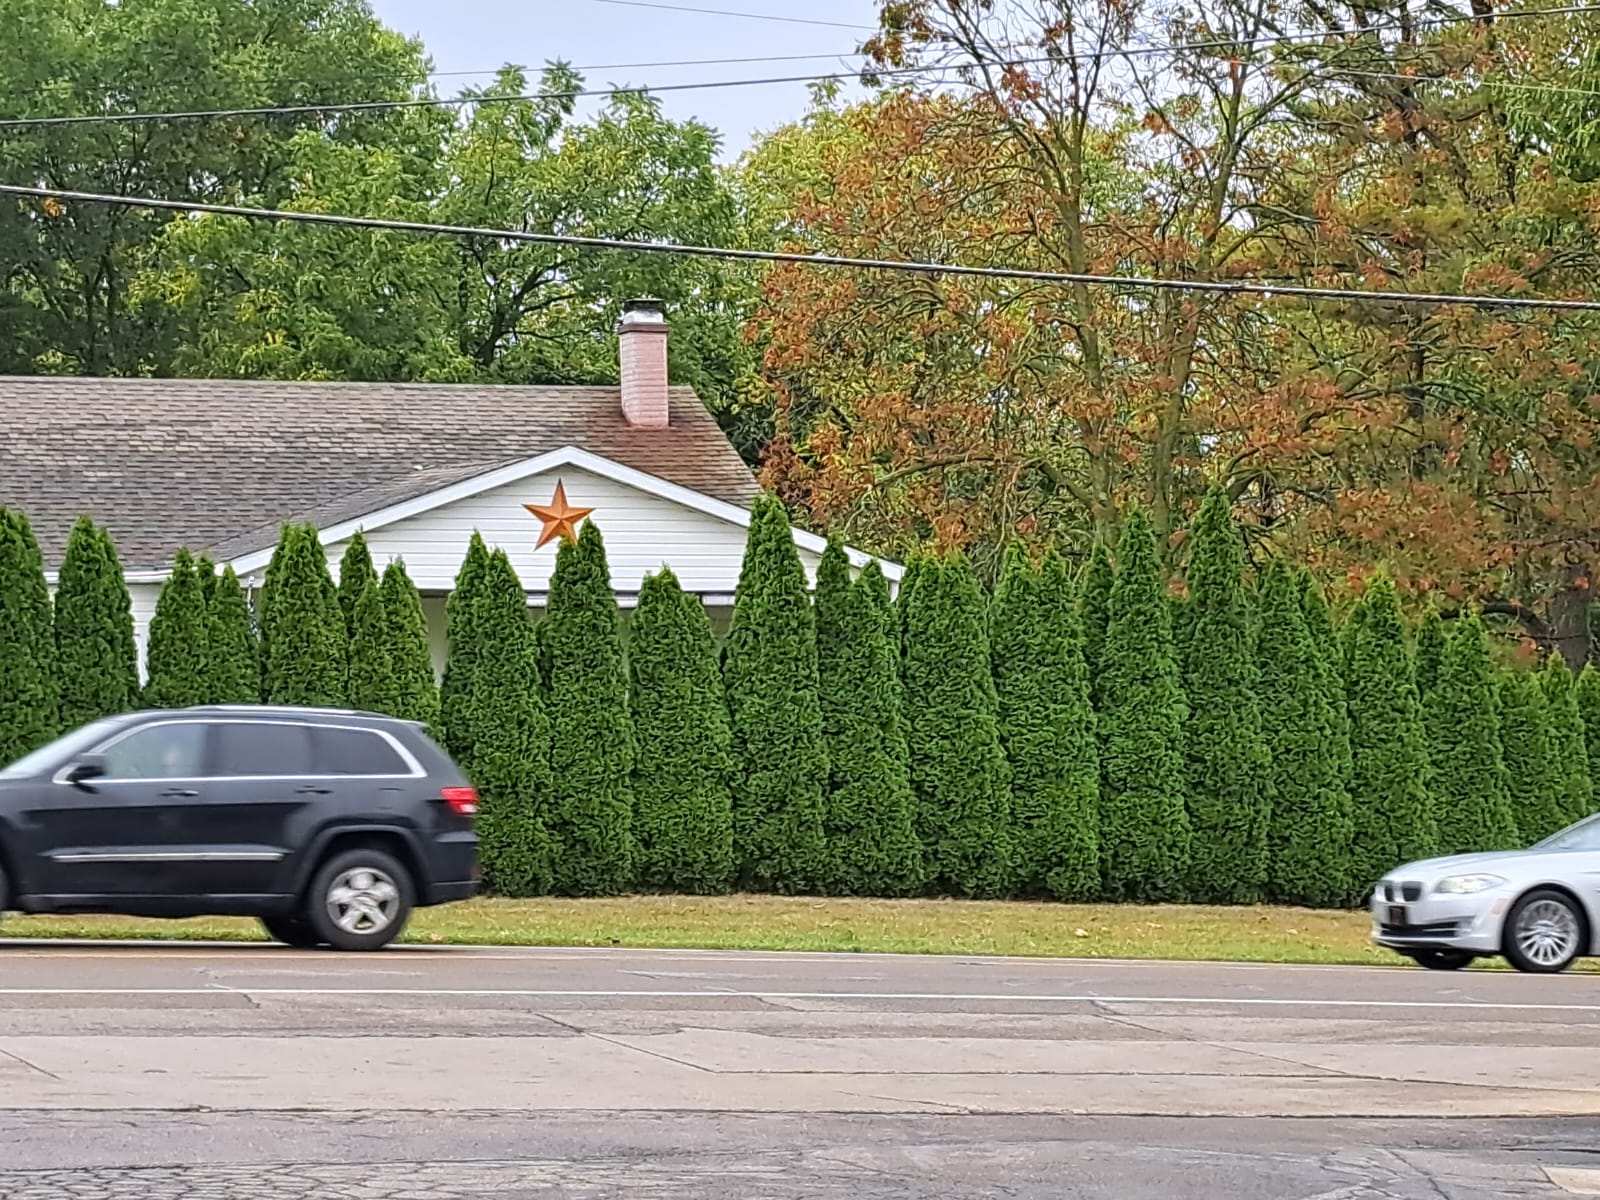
(85, 768)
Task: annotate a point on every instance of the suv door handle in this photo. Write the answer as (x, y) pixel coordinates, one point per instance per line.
(309, 790)
(179, 794)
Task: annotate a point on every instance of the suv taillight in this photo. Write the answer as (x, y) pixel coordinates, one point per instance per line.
(463, 801)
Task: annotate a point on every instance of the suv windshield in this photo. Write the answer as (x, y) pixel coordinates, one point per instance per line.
(1585, 835)
(62, 748)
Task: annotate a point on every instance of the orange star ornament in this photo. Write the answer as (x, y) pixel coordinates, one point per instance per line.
(560, 518)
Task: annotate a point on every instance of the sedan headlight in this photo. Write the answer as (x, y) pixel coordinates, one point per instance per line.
(1465, 885)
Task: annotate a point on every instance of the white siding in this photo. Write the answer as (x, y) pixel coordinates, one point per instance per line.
(143, 596)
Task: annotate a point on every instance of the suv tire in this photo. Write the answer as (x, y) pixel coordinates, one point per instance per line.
(292, 931)
(360, 900)
(1545, 932)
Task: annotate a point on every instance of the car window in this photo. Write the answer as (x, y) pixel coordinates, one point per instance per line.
(168, 751)
(62, 749)
(354, 752)
(1585, 835)
(260, 748)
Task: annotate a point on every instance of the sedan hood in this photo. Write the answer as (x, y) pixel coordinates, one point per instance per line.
(1457, 864)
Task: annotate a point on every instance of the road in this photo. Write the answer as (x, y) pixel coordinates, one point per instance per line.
(192, 1072)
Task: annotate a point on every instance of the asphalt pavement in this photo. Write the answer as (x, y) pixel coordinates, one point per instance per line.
(424, 1073)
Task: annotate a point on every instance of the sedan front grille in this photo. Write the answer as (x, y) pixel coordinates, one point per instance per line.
(1411, 891)
(1432, 929)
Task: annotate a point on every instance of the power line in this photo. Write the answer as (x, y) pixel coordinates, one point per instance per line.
(1309, 36)
(723, 12)
(1147, 283)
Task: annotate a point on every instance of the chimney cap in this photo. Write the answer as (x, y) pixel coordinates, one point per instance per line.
(643, 311)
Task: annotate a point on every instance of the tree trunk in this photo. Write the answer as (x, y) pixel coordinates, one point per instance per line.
(1569, 615)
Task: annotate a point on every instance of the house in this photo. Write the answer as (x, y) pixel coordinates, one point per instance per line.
(219, 465)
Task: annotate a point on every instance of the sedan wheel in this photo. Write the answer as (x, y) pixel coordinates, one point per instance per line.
(1544, 933)
(1443, 960)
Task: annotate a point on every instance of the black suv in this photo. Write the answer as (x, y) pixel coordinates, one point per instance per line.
(327, 825)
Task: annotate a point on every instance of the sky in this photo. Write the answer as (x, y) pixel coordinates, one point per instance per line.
(481, 35)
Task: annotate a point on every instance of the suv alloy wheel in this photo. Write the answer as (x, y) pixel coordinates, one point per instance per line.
(360, 900)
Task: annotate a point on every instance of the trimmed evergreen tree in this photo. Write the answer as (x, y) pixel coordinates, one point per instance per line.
(1310, 823)
(1533, 769)
(206, 572)
(958, 767)
(232, 661)
(177, 660)
(1587, 694)
(30, 712)
(372, 676)
(97, 660)
(269, 591)
(1430, 650)
(1144, 824)
(416, 691)
(1328, 649)
(304, 628)
(1394, 820)
(682, 804)
(355, 573)
(1227, 807)
(769, 667)
(1467, 772)
(503, 723)
(1568, 737)
(591, 739)
(1047, 728)
(869, 825)
(1094, 605)
(463, 647)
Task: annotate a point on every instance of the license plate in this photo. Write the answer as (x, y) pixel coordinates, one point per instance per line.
(1397, 914)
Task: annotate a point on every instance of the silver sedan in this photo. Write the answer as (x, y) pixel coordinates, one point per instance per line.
(1539, 907)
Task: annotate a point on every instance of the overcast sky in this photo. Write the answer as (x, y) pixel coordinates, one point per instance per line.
(480, 35)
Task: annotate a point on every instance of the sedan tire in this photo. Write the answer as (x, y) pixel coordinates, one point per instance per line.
(1442, 959)
(1545, 932)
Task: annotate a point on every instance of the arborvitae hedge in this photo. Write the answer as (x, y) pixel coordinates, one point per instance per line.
(1144, 824)
(1226, 760)
(97, 661)
(1328, 652)
(416, 692)
(1467, 773)
(1047, 728)
(177, 661)
(682, 804)
(958, 768)
(1429, 658)
(372, 677)
(1094, 607)
(464, 646)
(1569, 736)
(1533, 769)
(356, 572)
(591, 738)
(1394, 821)
(502, 722)
(769, 667)
(206, 572)
(1310, 820)
(869, 815)
(1587, 693)
(304, 627)
(30, 713)
(232, 658)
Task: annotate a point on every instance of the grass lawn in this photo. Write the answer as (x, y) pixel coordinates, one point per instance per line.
(1279, 935)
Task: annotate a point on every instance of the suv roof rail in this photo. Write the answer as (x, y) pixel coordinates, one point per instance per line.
(289, 708)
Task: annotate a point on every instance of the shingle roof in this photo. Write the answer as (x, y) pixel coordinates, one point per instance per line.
(218, 465)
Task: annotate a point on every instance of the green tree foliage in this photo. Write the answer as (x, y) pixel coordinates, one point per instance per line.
(592, 749)
(177, 662)
(264, 600)
(1328, 649)
(373, 687)
(416, 691)
(1587, 694)
(1144, 825)
(1310, 819)
(303, 627)
(1394, 820)
(464, 647)
(769, 667)
(1094, 603)
(97, 660)
(958, 766)
(231, 651)
(206, 572)
(1430, 652)
(869, 820)
(30, 713)
(1048, 729)
(1569, 737)
(356, 572)
(1228, 808)
(506, 732)
(1533, 769)
(1461, 714)
(682, 804)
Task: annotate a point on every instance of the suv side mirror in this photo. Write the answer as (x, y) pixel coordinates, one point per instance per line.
(85, 768)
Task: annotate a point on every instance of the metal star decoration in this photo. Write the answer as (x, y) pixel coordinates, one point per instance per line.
(560, 518)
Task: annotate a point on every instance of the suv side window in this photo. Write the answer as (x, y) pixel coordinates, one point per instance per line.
(260, 749)
(337, 751)
(167, 751)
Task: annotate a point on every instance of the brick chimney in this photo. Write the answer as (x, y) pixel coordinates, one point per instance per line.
(642, 335)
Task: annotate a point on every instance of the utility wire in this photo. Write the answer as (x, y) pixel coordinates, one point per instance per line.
(1146, 283)
(723, 12)
(875, 73)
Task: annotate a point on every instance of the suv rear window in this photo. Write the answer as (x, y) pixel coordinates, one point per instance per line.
(260, 748)
(354, 752)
